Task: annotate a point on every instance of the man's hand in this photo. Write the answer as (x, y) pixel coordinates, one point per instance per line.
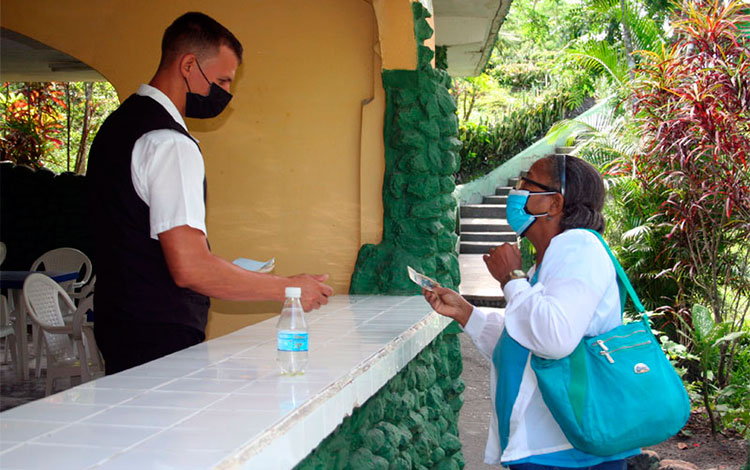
(314, 292)
(502, 260)
(449, 303)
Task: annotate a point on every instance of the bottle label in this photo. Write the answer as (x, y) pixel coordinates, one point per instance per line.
(291, 341)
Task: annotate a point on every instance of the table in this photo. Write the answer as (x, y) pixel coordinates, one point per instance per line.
(13, 281)
(222, 404)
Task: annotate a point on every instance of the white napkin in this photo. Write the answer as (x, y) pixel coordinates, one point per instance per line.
(254, 265)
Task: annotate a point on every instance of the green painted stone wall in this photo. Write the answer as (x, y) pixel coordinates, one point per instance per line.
(421, 157)
(409, 424)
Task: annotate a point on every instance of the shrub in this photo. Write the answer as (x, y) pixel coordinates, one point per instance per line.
(692, 104)
(489, 143)
(522, 76)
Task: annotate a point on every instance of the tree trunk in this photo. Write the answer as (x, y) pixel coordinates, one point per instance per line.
(626, 39)
(87, 110)
(67, 95)
(707, 403)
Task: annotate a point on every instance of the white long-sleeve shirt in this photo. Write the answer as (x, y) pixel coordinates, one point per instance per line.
(575, 295)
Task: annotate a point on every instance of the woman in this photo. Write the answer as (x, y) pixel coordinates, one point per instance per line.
(570, 292)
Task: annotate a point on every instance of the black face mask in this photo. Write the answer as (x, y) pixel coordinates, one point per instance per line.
(203, 107)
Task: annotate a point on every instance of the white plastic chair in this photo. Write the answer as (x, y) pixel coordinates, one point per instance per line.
(61, 260)
(65, 259)
(66, 354)
(6, 327)
(8, 332)
(87, 303)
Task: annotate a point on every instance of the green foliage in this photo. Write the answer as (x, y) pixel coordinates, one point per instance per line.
(709, 341)
(678, 211)
(528, 254)
(489, 143)
(601, 58)
(31, 122)
(90, 104)
(51, 125)
(525, 88)
(519, 76)
(691, 101)
(612, 53)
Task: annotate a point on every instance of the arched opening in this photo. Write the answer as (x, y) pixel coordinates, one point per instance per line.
(52, 105)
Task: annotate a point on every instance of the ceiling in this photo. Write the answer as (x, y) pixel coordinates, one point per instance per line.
(468, 28)
(23, 59)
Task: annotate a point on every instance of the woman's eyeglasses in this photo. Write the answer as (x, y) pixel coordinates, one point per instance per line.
(544, 186)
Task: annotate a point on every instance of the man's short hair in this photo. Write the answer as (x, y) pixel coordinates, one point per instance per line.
(198, 34)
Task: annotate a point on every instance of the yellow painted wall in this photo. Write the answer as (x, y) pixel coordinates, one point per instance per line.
(295, 165)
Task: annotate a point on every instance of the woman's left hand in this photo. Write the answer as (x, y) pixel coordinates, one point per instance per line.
(449, 303)
(502, 260)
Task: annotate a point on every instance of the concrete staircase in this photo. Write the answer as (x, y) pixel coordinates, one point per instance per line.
(483, 226)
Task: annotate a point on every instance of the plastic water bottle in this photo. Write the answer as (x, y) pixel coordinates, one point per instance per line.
(291, 335)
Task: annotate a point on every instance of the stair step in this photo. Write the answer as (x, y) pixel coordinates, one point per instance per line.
(485, 225)
(486, 211)
(477, 284)
(496, 301)
(502, 190)
(564, 150)
(513, 182)
(479, 247)
(495, 200)
(497, 237)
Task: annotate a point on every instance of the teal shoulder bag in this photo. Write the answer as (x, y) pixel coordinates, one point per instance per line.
(616, 391)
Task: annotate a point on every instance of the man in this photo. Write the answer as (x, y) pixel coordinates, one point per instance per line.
(155, 272)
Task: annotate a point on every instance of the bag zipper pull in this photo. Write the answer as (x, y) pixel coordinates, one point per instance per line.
(604, 351)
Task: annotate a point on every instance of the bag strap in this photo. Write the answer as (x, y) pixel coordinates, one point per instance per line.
(621, 276)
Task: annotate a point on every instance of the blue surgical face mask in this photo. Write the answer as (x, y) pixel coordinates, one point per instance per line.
(516, 213)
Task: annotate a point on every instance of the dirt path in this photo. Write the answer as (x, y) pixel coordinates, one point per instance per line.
(700, 448)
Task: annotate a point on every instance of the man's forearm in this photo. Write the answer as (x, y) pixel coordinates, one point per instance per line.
(193, 266)
(216, 277)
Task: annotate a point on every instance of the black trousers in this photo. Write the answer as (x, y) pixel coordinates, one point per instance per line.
(126, 345)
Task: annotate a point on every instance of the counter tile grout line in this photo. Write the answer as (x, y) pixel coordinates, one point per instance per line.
(67, 425)
(173, 425)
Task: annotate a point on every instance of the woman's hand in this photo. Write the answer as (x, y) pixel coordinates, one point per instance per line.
(449, 303)
(502, 260)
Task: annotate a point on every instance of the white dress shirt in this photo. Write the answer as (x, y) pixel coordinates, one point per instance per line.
(167, 172)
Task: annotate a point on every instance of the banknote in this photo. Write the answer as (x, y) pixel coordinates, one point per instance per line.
(421, 280)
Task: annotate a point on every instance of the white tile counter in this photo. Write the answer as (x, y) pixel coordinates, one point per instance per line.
(222, 404)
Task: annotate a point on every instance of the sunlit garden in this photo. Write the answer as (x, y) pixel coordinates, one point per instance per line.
(673, 147)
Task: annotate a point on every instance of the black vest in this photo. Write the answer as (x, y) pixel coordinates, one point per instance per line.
(133, 283)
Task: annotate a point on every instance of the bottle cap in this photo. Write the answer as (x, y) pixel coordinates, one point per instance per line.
(294, 292)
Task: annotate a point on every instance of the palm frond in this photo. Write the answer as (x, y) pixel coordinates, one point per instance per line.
(645, 33)
(636, 233)
(603, 6)
(601, 58)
